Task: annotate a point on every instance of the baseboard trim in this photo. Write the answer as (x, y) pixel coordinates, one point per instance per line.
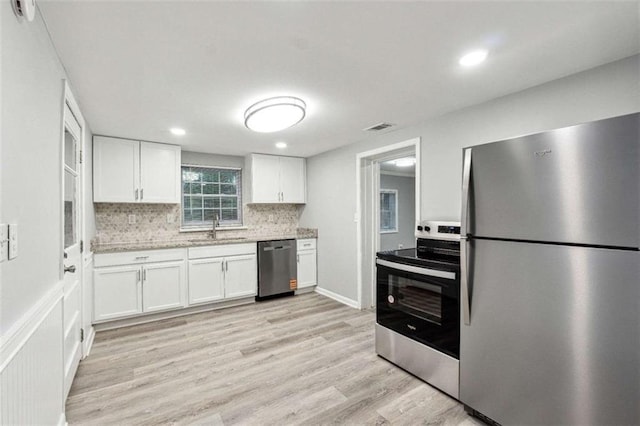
(126, 322)
(63, 420)
(337, 297)
(91, 335)
(21, 331)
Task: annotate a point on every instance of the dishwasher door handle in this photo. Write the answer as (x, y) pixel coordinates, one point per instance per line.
(277, 248)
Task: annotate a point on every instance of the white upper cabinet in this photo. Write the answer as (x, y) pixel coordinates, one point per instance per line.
(128, 171)
(159, 173)
(277, 179)
(116, 170)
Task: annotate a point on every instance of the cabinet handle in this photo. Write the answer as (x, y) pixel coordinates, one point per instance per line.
(138, 276)
(222, 265)
(141, 194)
(226, 265)
(298, 257)
(136, 195)
(141, 257)
(144, 275)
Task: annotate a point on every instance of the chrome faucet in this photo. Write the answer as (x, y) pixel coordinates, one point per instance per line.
(216, 222)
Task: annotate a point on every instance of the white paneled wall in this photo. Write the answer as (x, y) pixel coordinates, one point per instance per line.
(30, 377)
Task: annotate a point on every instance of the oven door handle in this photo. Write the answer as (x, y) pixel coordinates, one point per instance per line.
(416, 269)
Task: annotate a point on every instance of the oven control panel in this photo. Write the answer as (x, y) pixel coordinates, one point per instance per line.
(440, 230)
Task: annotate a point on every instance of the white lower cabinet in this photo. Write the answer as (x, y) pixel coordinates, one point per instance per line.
(307, 264)
(117, 292)
(222, 272)
(124, 290)
(206, 280)
(241, 276)
(162, 286)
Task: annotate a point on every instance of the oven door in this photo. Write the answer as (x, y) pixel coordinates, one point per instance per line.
(422, 304)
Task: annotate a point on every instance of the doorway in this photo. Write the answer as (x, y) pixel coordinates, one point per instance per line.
(376, 220)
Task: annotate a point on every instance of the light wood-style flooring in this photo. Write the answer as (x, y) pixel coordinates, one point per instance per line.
(298, 360)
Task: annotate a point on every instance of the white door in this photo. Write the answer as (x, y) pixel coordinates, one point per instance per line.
(306, 268)
(241, 276)
(206, 280)
(292, 180)
(265, 179)
(117, 292)
(72, 258)
(159, 173)
(116, 170)
(162, 286)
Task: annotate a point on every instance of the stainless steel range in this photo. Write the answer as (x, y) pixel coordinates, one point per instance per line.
(418, 305)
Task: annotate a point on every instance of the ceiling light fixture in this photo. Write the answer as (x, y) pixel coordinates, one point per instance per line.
(273, 114)
(178, 131)
(404, 162)
(473, 58)
(281, 145)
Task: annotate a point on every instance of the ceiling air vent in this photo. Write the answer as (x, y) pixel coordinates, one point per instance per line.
(378, 127)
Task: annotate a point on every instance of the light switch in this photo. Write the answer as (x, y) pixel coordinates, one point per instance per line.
(13, 241)
(4, 241)
(132, 219)
(170, 218)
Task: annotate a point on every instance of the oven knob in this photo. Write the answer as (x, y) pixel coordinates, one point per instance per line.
(419, 228)
(391, 299)
(427, 228)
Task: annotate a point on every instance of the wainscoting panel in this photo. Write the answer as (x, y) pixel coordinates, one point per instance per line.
(31, 390)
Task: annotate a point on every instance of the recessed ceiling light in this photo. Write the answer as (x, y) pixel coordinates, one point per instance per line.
(273, 114)
(178, 131)
(473, 58)
(403, 162)
(281, 145)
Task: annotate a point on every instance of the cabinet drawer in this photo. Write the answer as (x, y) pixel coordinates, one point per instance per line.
(137, 257)
(222, 250)
(307, 244)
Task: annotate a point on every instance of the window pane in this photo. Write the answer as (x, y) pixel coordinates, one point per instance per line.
(210, 175)
(228, 214)
(228, 189)
(209, 215)
(228, 176)
(196, 215)
(209, 188)
(230, 202)
(196, 202)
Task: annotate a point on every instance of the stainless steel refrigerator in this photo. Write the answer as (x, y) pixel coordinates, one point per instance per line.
(550, 278)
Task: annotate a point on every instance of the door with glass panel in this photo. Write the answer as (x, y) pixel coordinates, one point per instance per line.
(72, 262)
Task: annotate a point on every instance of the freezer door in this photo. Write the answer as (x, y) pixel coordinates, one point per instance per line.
(553, 335)
(578, 184)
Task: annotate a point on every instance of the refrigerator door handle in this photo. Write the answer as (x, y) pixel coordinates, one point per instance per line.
(466, 179)
(464, 282)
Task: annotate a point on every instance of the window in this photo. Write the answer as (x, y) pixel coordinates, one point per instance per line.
(210, 191)
(388, 210)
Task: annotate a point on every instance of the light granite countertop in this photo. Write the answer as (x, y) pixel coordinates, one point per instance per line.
(98, 248)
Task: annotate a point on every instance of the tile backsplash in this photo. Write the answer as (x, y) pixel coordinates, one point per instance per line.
(160, 222)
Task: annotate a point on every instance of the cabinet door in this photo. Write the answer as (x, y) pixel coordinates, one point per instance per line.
(307, 268)
(163, 286)
(293, 180)
(117, 292)
(159, 173)
(241, 276)
(206, 280)
(116, 170)
(265, 179)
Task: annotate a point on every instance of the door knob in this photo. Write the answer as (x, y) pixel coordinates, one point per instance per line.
(71, 269)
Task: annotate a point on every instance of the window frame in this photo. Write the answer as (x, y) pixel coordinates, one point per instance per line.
(239, 193)
(395, 228)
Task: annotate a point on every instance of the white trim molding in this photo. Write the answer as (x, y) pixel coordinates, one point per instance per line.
(337, 297)
(23, 329)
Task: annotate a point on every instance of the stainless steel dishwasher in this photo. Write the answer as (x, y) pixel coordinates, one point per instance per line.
(277, 268)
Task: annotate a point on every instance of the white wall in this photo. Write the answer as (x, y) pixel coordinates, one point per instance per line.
(32, 95)
(602, 92)
(405, 185)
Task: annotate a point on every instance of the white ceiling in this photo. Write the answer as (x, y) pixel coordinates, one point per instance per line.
(140, 67)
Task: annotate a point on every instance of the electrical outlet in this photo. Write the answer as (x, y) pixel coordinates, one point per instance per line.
(270, 218)
(132, 219)
(13, 241)
(4, 241)
(170, 218)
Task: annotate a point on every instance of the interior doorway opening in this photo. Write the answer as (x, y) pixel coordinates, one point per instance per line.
(386, 215)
